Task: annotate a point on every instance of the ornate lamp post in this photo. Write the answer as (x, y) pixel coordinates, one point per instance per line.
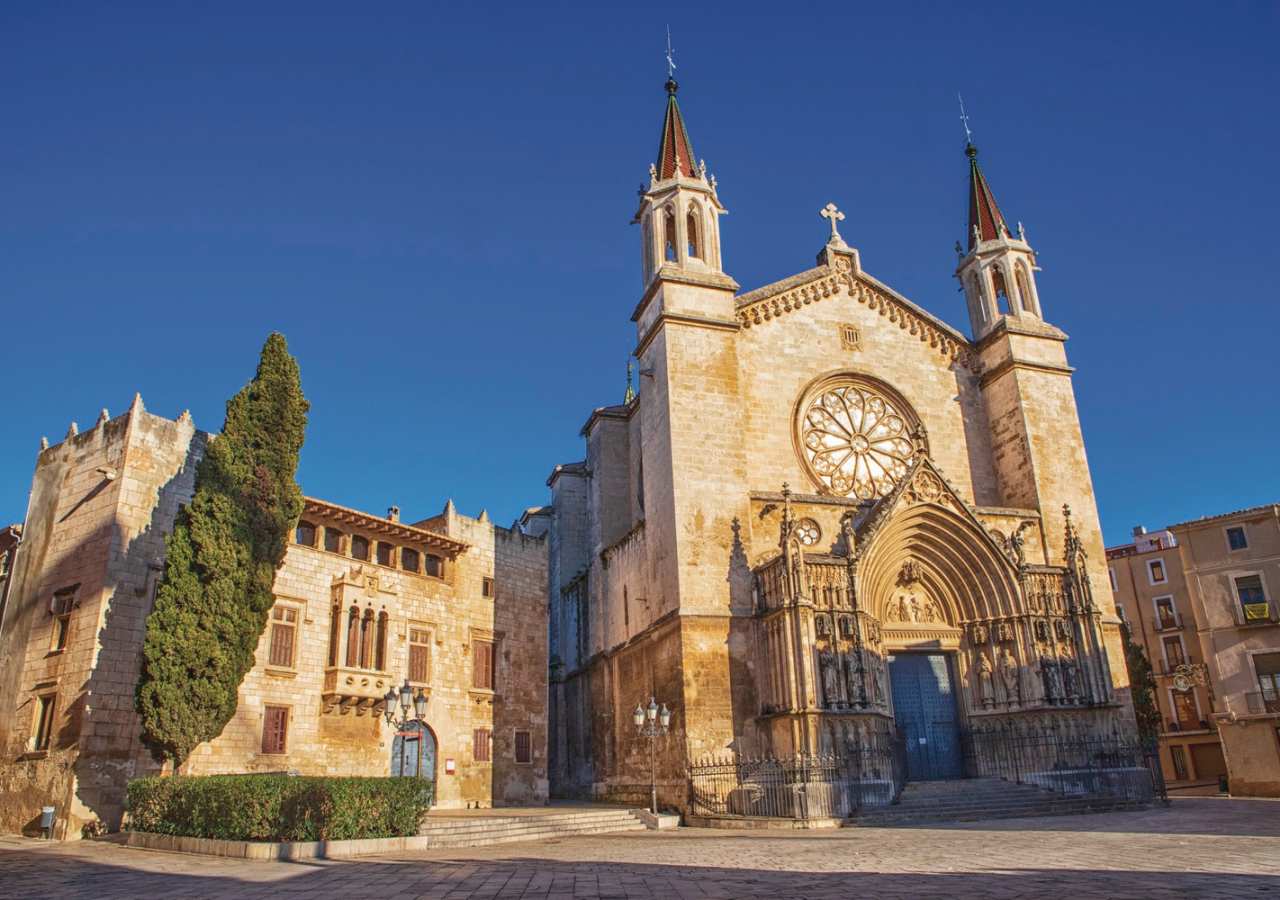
(407, 701)
(652, 722)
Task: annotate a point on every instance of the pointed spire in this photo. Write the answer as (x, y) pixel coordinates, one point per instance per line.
(72, 431)
(986, 223)
(631, 391)
(136, 406)
(103, 418)
(675, 152)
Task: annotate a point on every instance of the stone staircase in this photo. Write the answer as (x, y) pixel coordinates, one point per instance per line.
(977, 799)
(445, 831)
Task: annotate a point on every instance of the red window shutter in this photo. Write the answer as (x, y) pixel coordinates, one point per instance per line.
(281, 644)
(419, 662)
(275, 729)
(480, 739)
(482, 661)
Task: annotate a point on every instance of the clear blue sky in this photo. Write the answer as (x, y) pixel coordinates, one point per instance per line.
(432, 203)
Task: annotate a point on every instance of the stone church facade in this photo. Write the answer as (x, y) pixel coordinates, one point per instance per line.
(454, 605)
(825, 513)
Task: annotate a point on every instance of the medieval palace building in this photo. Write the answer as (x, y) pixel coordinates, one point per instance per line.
(826, 515)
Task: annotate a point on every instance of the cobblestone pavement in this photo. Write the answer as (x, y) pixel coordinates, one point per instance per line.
(1199, 847)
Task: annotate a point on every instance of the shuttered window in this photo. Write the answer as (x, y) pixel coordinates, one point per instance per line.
(284, 627)
(481, 745)
(482, 665)
(275, 729)
(419, 655)
(524, 747)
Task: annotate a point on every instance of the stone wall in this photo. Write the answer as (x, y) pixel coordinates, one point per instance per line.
(101, 503)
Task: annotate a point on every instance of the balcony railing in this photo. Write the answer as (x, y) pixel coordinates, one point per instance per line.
(1263, 702)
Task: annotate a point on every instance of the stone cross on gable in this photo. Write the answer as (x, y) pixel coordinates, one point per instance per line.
(831, 213)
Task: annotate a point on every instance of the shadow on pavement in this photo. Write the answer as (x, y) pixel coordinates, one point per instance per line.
(116, 872)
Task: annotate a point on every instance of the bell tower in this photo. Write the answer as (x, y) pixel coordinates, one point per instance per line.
(998, 269)
(679, 211)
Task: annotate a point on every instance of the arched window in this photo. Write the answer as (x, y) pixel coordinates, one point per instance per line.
(409, 559)
(305, 534)
(435, 566)
(366, 639)
(693, 232)
(333, 540)
(353, 638)
(1001, 290)
(359, 547)
(976, 298)
(380, 649)
(335, 631)
(1024, 290)
(646, 254)
(670, 254)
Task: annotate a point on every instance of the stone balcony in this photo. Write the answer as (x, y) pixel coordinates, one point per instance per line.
(348, 689)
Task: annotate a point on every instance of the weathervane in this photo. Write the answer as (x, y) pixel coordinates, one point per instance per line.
(671, 59)
(964, 118)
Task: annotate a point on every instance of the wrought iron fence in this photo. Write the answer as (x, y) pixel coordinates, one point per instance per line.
(870, 773)
(1115, 765)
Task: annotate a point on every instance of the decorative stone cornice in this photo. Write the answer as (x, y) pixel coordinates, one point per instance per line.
(773, 302)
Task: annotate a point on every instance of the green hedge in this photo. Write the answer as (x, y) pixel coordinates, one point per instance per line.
(278, 807)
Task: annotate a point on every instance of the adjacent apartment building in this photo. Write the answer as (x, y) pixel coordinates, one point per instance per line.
(1201, 598)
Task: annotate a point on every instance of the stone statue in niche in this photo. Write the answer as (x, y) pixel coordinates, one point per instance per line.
(873, 633)
(1042, 631)
(846, 626)
(1070, 682)
(1010, 673)
(917, 614)
(830, 678)
(822, 625)
(1050, 679)
(851, 679)
(1060, 628)
(1005, 633)
(877, 680)
(985, 688)
(979, 634)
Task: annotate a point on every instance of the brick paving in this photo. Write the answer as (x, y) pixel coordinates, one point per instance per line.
(1199, 847)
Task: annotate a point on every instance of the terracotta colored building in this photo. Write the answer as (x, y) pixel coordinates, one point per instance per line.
(1231, 563)
(454, 604)
(1151, 594)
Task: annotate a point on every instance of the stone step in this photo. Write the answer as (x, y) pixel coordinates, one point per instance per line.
(507, 823)
(482, 831)
(886, 819)
(532, 832)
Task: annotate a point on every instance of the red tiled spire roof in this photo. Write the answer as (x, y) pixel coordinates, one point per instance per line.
(675, 152)
(984, 214)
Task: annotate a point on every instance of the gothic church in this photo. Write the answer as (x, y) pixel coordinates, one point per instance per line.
(826, 512)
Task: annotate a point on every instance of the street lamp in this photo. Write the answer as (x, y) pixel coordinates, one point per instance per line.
(407, 700)
(652, 722)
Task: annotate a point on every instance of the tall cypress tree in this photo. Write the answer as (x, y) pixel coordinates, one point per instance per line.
(221, 561)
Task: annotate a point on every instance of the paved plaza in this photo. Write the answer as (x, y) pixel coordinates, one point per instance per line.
(1199, 847)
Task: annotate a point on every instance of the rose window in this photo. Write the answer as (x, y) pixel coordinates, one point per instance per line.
(808, 532)
(855, 440)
